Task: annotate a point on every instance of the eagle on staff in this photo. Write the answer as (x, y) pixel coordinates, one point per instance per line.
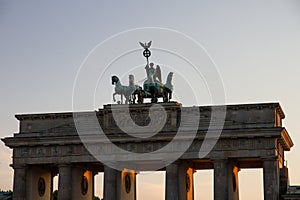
(146, 52)
(146, 45)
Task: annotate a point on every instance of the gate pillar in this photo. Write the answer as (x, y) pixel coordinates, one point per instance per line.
(119, 185)
(179, 182)
(65, 182)
(271, 178)
(226, 185)
(220, 180)
(19, 187)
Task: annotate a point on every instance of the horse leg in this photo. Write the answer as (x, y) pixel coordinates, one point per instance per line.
(126, 99)
(140, 97)
(154, 98)
(114, 99)
(165, 97)
(121, 98)
(133, 98)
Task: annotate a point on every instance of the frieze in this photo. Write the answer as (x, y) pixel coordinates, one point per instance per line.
(236, 144)
(40, 152)
(24, 152)
(55, 151)
(266, 144)
(50, 151)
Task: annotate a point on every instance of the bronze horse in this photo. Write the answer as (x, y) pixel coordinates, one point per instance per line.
(129, 92)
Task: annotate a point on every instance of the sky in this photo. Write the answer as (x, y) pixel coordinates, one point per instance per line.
(254, 45)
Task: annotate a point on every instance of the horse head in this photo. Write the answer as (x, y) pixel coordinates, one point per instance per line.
(114, 80)
(131, 80)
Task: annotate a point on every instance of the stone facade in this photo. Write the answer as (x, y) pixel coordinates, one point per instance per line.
(48, 144)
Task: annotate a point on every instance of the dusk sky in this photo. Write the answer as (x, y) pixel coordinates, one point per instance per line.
(255, 46)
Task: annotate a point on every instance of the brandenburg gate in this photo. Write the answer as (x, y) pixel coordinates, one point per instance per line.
(49, 144)
(123, 139)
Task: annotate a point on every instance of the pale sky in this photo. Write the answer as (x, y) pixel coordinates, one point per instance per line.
(255, 45)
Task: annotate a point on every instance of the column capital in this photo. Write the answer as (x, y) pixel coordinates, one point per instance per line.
(177, 162)
(220, 160)
(19, 166)
(65, 165)
(271, 158)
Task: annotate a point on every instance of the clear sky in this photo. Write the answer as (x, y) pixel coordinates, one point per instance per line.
(255, 44)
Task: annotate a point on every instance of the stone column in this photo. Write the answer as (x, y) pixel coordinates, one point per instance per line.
(119, 185)
(65, 182)
(220, 180)
(19, 188)
(110, 183)
(179, 182)
(283, 180)
(271, 178)
(226, 185)
(172, 182)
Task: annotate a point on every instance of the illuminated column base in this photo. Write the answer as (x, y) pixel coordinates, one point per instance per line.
(38, 183)
(82, 184)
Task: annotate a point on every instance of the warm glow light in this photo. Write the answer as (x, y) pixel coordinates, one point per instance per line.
(87, 174)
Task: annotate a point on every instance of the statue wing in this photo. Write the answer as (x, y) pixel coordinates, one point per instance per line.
(149, 44)
(142, 45)
(158, 72)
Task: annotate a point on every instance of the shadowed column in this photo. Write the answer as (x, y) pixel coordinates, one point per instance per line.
(119, 185)
(19, 190)
(271, 179)
(110, 183)
(65, 182)
(220, 180)
(172, 182)
(179, 182)
(226, 185)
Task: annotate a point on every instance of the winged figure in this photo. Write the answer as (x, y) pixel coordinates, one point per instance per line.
(153, 73)
(158, 73)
